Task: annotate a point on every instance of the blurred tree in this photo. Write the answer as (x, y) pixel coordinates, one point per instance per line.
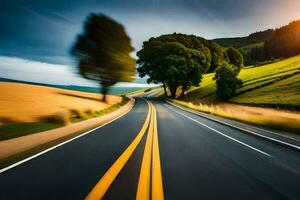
(102, 52)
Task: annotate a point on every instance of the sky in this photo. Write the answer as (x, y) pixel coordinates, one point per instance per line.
(36, 36)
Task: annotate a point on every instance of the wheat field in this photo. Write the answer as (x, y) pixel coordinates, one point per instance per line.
(28, 103)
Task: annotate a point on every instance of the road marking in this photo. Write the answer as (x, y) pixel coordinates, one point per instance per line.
(238, 141)
(151, 161)
(102, 186)
(58, 145)
(143, 190)
(157, 185)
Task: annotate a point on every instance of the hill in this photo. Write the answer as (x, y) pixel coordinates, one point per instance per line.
(274, 85)
(247, 44)
(267, 45)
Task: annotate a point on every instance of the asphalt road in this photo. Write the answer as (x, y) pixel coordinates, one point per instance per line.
(197, 159)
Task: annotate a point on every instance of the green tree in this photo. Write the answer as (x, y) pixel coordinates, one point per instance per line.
(175, 60)
(234, 57)
(102, 52)
(227, 81)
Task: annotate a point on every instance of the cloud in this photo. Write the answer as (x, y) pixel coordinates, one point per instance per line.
(35, 71)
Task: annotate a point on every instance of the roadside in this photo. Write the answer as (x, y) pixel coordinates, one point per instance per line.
(283, 138)
(16, 149)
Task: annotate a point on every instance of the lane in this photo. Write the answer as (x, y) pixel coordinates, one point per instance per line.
(199, 163)
(283, 156)
(72, 170)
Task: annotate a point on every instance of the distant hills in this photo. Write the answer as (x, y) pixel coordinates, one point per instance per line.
(266, 45)
(113, 90)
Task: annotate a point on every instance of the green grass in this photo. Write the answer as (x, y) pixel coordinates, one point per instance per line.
(12, 130)
(272, 85)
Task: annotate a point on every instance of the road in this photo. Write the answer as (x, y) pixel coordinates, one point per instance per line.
(159, 151)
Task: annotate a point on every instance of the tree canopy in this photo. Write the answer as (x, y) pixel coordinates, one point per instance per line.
(234, 57)
(178, 60)
(102, 52)
(226, 81)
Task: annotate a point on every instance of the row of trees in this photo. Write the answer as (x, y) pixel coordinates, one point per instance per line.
(179, 60)
(285, 42)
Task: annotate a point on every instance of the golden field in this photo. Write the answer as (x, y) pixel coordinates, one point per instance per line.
(29, 103)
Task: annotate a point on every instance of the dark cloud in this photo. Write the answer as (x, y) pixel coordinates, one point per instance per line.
(44, 30)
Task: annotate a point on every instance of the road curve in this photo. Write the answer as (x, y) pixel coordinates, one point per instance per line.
(158, 151)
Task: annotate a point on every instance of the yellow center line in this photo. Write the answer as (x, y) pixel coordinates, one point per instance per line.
(151, 151)
(157, 185)
(143, 189)
(102, 186)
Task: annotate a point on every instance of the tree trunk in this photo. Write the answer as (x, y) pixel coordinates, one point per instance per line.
(173, 92)
(104, 90)
(164, 84)
(183, 89)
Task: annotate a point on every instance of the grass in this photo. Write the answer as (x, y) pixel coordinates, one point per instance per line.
(27, 103)
(265, 117)
(273, 85)
(12, 130)
(80, 116)
(18, 129)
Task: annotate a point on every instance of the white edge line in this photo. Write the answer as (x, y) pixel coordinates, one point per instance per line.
(238, 141)
(60, 144)
(252, 132)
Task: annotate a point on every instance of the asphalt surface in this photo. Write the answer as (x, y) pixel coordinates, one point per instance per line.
(200, 159)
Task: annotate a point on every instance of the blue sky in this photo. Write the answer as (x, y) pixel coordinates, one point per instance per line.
(36, 36)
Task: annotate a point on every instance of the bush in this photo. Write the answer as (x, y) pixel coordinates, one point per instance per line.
(76, 113)
(227, 81)
(62, 118)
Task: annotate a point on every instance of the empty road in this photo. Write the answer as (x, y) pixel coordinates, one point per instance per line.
(158, 151)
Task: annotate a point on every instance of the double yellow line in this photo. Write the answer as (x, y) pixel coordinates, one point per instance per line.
(150, 167)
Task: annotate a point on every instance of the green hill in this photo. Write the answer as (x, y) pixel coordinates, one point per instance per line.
(246, 44)
(273, 85)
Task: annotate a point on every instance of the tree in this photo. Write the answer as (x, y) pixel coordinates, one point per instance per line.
(102, 52)
(175, 60)
(234, 57)
(227, 81)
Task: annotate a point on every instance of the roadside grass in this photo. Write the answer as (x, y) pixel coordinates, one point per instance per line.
(12, 130)
(274, 119)
(273, 85)
(18, 129)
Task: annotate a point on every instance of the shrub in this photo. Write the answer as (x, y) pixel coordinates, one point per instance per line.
(61, 117)
(227, 81)
(76, 113)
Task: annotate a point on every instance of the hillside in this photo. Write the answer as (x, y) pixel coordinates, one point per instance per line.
(273, 85)
(247, 44)
(267, 45)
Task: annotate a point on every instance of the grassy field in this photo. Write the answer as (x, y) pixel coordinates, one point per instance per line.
(274, 85)
(26, 109)
(29, 103)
